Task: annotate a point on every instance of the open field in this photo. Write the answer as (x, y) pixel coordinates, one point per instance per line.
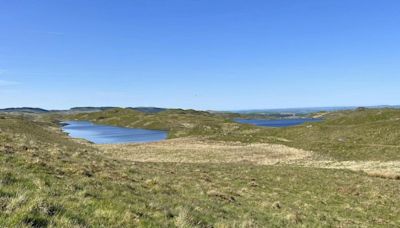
(270, 179)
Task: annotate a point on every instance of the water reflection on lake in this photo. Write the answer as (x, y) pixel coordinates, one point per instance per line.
(104, 134)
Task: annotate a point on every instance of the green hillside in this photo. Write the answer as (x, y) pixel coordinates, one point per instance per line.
(370, 134)
(351, 135)
(48, 179)
(179, 123)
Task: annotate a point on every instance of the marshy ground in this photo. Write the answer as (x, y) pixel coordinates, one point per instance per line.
(211, 173)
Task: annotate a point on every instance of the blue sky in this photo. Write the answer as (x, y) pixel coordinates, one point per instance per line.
(202, 54)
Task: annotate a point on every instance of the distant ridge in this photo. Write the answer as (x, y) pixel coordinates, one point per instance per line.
(25, 110)
(285, 111)
(309, 110)
(90, 109)
(148, 109)
(98, 109)
(78, 109)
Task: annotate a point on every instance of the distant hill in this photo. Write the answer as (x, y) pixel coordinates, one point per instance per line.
(24, 110)
(270, 113)
(148, 109)
(89, 109)
(99, 109)
(308, 110)
(79, 110)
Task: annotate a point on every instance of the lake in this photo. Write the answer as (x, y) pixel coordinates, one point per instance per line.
(104, 134)
(276, 123)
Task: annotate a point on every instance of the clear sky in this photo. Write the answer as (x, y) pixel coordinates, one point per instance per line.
(202, 54)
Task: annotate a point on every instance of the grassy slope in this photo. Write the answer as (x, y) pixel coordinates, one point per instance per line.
(347, 135)
(179, 123)
(351, 135)
(48, 179)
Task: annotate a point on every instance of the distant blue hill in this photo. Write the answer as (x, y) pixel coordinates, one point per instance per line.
(96, 109)
(157, 110)
(308, 110)
(77, 110)
(148, 109)
(25, 110)
(87, 109)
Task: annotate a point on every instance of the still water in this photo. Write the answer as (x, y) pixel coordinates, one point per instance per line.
(104, 134)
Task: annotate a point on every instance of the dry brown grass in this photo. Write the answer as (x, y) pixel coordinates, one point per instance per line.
(191, 150)
(195, 150)
(389, 170)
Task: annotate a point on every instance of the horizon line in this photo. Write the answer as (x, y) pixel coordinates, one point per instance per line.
(222, 110)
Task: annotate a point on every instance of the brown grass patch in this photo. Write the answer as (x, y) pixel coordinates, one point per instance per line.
(387, 170)
(191, 150)
(196, 150)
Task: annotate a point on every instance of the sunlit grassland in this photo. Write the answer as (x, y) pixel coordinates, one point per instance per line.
(49, 180)
(347, 135)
